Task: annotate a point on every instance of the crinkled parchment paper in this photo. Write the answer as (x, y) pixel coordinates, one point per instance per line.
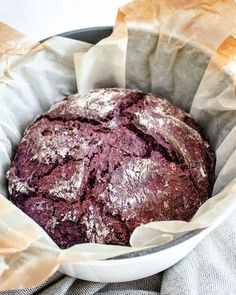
(183, 50)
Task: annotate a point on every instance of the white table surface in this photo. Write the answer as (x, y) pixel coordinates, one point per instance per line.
(43, 18)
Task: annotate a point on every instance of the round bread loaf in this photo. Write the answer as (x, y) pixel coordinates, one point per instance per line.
(102, 162)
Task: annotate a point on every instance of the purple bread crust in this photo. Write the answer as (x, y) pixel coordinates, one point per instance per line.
(102, 162)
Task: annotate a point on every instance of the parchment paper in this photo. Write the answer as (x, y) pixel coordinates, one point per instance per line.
(179, 49)
(33, 77)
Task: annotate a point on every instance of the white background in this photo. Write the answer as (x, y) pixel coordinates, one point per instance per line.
(43, 18)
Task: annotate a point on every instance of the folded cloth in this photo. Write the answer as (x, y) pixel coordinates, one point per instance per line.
(209, 269)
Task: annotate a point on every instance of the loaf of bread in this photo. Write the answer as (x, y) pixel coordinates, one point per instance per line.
(102, 162)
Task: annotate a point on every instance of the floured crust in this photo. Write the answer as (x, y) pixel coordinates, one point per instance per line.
(102, 162)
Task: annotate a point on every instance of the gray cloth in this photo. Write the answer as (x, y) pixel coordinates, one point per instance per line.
(209, 269)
